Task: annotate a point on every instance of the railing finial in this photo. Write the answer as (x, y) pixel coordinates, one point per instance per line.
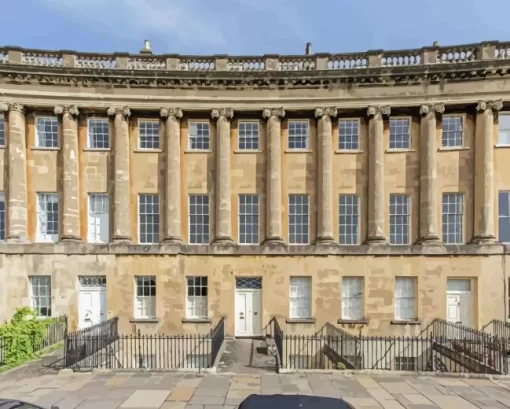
(146, 47)
(308, 49)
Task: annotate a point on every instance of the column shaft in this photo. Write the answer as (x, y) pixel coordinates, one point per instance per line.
(16, 220)
(172, 175)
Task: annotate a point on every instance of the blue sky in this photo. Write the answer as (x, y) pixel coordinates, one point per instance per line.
(248, 27)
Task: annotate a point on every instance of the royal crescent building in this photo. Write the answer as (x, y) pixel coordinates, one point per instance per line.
(369, 190)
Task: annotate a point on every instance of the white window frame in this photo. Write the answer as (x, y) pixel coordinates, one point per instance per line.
(205, 242)
(34, 281)
(354, 204)
(400, 119)
(307, 140)
(155, 144)
(152, 196)
(145, 302)
(408, 363)
(38, 136)
(293, 243)
(352, 298)
(44, 237)
(300, 297)
(2, 131)
(444, 216)
(103, 219)
(506, 131)
(2, 216)
(357, 143)
(243, 239)
(252, 138)
(405, 300)
(197, 305)
(190, 145)
(90, 139)
(463, 135)
(402, 201)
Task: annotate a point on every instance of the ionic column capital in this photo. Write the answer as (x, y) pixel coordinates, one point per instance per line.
(11, 106)
(4, 106)
(438, 108)
(378, 110)
(175, 113)
(65, 109)
(492, 105)
(326, 111)
(124, 111)
(227, 113)
(269, 112)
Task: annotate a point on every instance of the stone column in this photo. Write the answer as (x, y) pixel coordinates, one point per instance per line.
(377, 203)
(325, 175)
(70, 170)
(428, 173)
(16, 181)
(484, 232)
(121, 188)
(223, 197)
(274, 175)
(172, 117)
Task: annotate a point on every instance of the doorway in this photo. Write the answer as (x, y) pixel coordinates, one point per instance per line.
(459, 302)
(248, 307)
(92, 301)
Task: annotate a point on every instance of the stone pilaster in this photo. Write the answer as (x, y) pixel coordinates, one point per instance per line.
(223, 197)
(325, 175)
(16, 182)
(428, 173)
(376, 197)
(70, 170)
(172, 118)
(121, 183)
(274, 175)
(484, 232)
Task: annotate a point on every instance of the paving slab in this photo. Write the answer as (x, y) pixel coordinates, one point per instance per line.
(145, 399)
(173, 405)
(451, 402)
(182, 393)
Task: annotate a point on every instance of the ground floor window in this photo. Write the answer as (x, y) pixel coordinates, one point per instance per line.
(40, 295)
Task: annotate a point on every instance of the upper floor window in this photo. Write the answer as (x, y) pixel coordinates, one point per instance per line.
(46, 132)
(300, 297)
(145, 297)
(148, 218)
(148, 133)
(405, 298)
(453, 214)
(298, 219)
(348, 219)
(2, 130)
(504, 128)
(453, 132)
(399, 219)
(299, 132)
(98, 218)
(199, 136)
(348, 134)
(2, 216)
(504, 217)
(198, 219)
(248, 135)
(249, 219)
(98, 133)
(47, 217)
(196, 300)
(399, 133)
(40, 295)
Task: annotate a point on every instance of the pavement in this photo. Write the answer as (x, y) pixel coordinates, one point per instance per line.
(143, 390)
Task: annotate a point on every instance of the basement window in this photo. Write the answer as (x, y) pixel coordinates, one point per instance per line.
(405, 363)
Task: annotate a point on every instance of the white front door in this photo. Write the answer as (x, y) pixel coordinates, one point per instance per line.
(92, 301)
(248, 313)
(453, 313)
(459, 302)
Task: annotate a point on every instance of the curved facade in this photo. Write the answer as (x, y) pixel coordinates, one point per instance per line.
(369, 190)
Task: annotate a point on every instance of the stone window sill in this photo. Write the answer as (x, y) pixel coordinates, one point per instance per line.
(453, 149)
(240, 151)
(300, 320)
(96, 149)
(348, 151)
(499, 145)
(41, 148)
(362, 321)
(298, 151)
(144, 320)
(3, 146)
(196, 320)
(138, 150)
(198, 151)
(400, 150)
(405, 322)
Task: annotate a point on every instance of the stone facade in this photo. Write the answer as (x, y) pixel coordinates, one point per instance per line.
(424, 86)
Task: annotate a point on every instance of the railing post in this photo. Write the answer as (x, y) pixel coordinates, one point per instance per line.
(322, 61)
(221, 62)
(374, 58)
(15, 55)
(429, 55)
(68, 58)
(487, 50)
(271, 62)
(121, 60)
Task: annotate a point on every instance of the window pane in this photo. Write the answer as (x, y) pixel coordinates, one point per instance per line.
(452, 220)
(47, 217)
(145, 300)
(98, 224)
(99, 133)
(504, 128)
(399, 133)
(41, 295)
(348, 211)
(199, 136)
(2, 130)
(148, 132)
(452, 132)
(199, 219)
(298, 135)
(405, 298)
(298, 219)
(2, 216)
(248, 135)
(46, 132)
(248, 219)
(300, 297)
(348, 134)
(148, 218)
(399, 219)
(196, 300)
(352, 298)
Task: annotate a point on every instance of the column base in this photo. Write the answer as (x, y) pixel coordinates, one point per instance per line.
(274, 241)
(70, 238)
(480, 240)
(325, 241)
(174, 240)
(121, 239)
(223, 241)
(429, 241)
(376, 241)
(16, 238)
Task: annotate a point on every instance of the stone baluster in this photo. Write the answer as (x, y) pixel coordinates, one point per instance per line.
(376, 197)
(428, 173)
(325, 175)
(223, 196)
(70, 173)
(484, 232)
(121, 188)
(274, 175)
(172, 117)
(16, 210)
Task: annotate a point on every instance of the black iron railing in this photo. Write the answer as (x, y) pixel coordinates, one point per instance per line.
(217, 337)
(55, 333)
(499, 329)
